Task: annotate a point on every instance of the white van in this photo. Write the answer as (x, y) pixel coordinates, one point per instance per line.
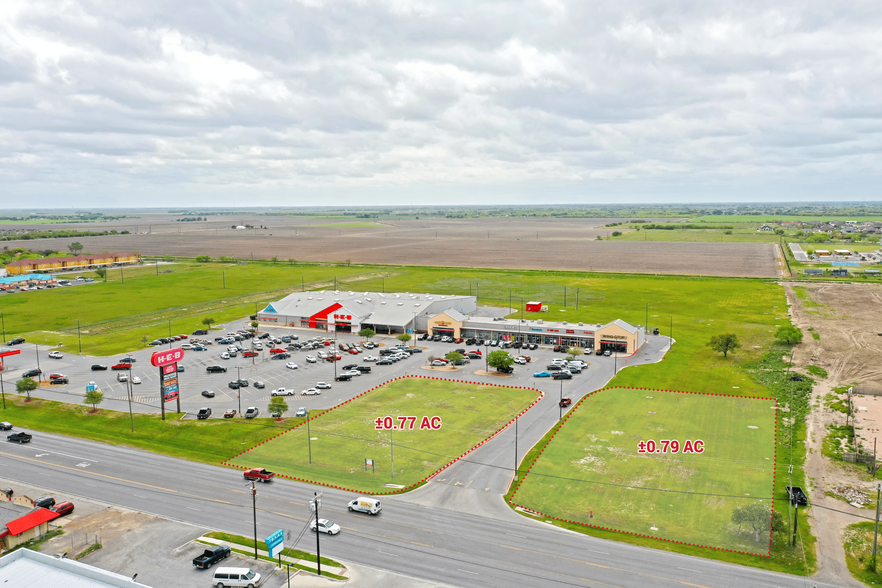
(365, 504)
(322, 354)
(235, 577)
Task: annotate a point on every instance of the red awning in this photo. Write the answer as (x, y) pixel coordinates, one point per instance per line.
(33, 519)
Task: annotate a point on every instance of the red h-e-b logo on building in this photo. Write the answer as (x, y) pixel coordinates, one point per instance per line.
(169, 356)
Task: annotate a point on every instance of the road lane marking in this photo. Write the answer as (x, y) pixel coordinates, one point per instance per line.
(510, 547)
(387, 553)
(468, 572)
(688, 570)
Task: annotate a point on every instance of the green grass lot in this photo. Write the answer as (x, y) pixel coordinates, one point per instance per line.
(710, 235)
(363, 224)
(831, 246)
(858, 543)
(136, 303)
(344, 437)
(734, 218)
(593, 463)
(208, 441)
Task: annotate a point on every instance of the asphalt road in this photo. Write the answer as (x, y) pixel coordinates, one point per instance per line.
(498, 548)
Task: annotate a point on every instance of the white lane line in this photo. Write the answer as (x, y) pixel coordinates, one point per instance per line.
(48, 451)
(196, 509)
(468, 572)
(90, 485)
(688, 570)
(387, 553)
(139, 496)
(513, 535)
(600, 552)
(43, 474)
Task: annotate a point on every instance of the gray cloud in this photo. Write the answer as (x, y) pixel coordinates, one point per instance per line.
(197, 101)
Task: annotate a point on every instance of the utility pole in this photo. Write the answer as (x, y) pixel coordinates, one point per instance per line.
(317, 501)
(516, 449)
(876, 530)
(646, 322)
(122, 275)
(37, 349)
(2, 391)
(560, 404)
(308, 437)
(239, 389)
(79, 338)
(131, 416)
(565, 296)
(577, 298)
(392, 450)
(254, 509)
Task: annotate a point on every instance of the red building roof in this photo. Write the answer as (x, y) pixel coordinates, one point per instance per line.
(35, 518)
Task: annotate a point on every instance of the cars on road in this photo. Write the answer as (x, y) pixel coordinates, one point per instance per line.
(99, 367)
(325, 526)
(213, 369)
(56, 354)
(16, 341)
(564, 402)
(311, 392)
(20, 437)
(365, 504)
(208, 393)
(259, 474)
(5, 426)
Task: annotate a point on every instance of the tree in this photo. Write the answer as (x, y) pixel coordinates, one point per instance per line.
(724, 343)
(254, 325)
(203, 258)
(574, 352)
(208, 321)
(616, 233)
(101, 271)
(94, 397)
(26, 386)
(454, 356)
(277, 405)
(404, 337)
(500, 359)
(788, 334)
(758, 517)
(366, 333)
(75, 247)
(275, 259)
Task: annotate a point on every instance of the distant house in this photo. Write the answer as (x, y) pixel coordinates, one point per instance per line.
(821, 252)
(240, 227)
(765, 228)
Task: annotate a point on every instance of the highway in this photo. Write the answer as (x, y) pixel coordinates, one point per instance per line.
(413, 535)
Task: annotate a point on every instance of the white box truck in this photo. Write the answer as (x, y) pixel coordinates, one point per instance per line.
(365, 504)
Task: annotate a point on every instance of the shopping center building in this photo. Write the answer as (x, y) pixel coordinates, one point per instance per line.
(439, 314)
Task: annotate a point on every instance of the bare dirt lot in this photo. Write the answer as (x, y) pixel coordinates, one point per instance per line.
(557, 244)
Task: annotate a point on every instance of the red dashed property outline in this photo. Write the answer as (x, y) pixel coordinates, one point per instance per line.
(407, 488)
(563, 421)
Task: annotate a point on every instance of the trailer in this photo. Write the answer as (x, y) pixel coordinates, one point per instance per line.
(534, 307)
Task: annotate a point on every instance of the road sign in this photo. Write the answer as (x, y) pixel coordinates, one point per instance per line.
(166, 357)
(275, 543)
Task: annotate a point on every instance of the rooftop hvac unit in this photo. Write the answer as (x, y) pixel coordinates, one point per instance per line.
(539, 321)
(368, 299)
(581, 324)
(416, 303)
(336, 300)
(309, 297)
(382, 302)
(400, 304)
(565, 322)
(358, 301)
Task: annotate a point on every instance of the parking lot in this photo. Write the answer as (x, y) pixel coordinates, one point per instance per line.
(274, 374)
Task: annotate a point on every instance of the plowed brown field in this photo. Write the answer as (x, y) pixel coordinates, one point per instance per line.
(559, 244)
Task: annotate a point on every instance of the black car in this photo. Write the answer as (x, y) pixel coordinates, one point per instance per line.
(213, 369)
(562, 376)
(155, 343)
(553, 367)
(56, 381)
(234, 385)
(517, 344)
(385, 362)
(16, 341)
(259, 384)
(200, 332)
(505, 370)
(32, 373)
(243, 383)
(99, 368)
(278, 356)
(203, 413)
(208, 393)
(599, 352)
(363, 368)
(461, 362)
(5, 426)
(351, 366)
(180, 368)
(127, 360)
(343, 378)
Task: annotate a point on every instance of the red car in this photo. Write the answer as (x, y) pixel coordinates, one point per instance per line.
(250, 354)
(326, 343)
(183, 336)
(564, 402)
(63, 508)
(259, 474)
(56, 376)
(353, 352)
(228, 414)
(458, 340)
(478, 351)
(121, 366)
(277, 350)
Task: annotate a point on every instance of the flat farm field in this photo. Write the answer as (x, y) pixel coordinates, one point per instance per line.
(338, 441)
(592, 471)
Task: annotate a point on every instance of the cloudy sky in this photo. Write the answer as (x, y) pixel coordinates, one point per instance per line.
(222, 102)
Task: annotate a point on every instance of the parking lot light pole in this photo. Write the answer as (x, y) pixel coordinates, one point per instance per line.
(239, 390)
(560, 404)
(2, 392)
(3, 322)
(254, 509)
(37, 350)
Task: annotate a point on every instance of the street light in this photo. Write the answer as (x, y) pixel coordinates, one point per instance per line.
(254, 508)
(239, 390)
(560, 404)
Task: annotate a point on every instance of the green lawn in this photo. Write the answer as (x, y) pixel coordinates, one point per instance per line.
(208, 441)
(356, 224)
(593, 464)
(746, 218)
(344, 437)
(136, 303)
(709, 235)
(831, 246)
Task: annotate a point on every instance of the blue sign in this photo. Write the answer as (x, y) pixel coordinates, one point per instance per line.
(275, 543)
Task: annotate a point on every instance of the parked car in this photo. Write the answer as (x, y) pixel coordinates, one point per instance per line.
(5, 426)
(252, 412)
(520, 360)
(56, 376)
(439, 363)
(250, 354)
(63, 508)
(32, 373)
(281, 356)
(343, 378)
(323, 386)
(59, 381)
(136, 380)
(234, 385)
(121, 366)
(363, 368)
(311, 359)
(56, 354)
(542, 375)
(563, 375)
(229, 413)
(99, 367)
(212, 369)
(259, 384)
(203, 413)
(291, 365)
(282, 392)
(385, 362)
(311, 392)
(301, 412)
(16, 341)
(208, 393)
(129, 359)
(599, 352)
(607, 352)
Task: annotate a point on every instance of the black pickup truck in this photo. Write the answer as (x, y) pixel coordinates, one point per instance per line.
(20, 437)
(211, 557)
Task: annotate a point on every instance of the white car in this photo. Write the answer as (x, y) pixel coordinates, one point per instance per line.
(311, 392)
(55, 354)
(311, 359)
(325, 526)
(258, 345)
(352, 373)
(291, 365)
(323, 386)
(520, 360)
(370, 358)
(579, 363)
(225, 355)
(136, 380)
(282, 392)
(558, 361)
